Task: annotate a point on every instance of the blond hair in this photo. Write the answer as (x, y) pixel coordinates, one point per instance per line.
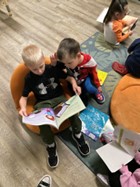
(31, 55)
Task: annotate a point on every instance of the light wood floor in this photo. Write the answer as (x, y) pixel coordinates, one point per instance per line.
(45, 23)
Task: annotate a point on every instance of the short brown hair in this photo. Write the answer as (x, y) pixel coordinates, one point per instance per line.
(68, 46)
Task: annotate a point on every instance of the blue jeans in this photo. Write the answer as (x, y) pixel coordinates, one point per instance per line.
(89, 86)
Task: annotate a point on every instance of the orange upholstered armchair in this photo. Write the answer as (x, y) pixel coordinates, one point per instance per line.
(17, 84)
(125, 103)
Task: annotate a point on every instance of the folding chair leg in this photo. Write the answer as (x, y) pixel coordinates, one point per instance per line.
(9, 10)
(7, 7)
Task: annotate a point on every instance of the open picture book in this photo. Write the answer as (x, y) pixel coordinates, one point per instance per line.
(131, 21)
(55, 116)
(121, 150)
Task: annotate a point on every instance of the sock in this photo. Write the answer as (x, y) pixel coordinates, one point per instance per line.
(78, 135)
(51, 145)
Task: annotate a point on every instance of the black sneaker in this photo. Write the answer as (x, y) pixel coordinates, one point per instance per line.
(53, 159)
(82, 145)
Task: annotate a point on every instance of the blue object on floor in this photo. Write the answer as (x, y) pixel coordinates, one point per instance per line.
(94, 120)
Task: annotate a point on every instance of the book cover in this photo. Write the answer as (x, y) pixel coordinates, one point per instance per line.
(121, 150)
(102, 15)
(131, 23)
(101, 76)
(55, 116)
(93, 121)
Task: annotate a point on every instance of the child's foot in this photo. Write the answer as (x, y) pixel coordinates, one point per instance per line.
(45, 181)
(100, 98)
(53, 159)
(82, 145)
(119, 68)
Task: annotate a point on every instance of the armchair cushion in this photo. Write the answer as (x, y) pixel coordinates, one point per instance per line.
(125, 103)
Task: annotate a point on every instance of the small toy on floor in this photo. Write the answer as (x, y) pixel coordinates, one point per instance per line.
(107, 137)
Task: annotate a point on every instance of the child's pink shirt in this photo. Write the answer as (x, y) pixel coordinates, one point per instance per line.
(129, 179)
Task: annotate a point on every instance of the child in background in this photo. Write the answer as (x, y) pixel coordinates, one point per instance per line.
(82, 66)
(43, 81)
(114, 22)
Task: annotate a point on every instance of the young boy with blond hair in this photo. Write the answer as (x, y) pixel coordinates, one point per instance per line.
(82, 66)
(43, 81)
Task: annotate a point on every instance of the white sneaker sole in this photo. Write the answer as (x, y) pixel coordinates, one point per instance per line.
(47, 179)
